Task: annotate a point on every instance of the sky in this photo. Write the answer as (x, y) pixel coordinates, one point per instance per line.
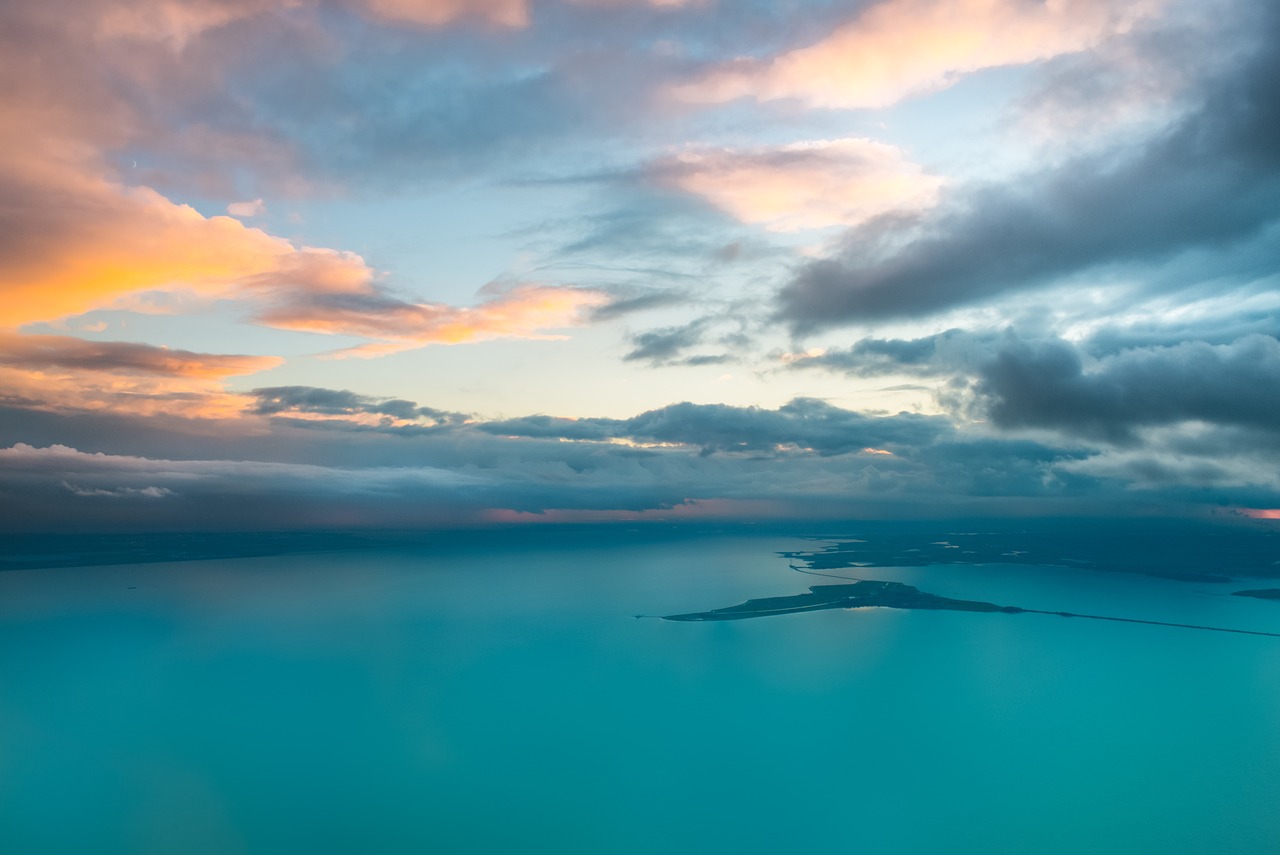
(291, 264)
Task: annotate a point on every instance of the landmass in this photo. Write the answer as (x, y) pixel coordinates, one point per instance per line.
(892, 595)
(1183, 550)
(1261, 594)
(895, 595)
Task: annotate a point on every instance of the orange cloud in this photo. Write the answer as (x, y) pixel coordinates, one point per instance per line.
(525, 312)
(905, 47)
(139, 395)
(806, 185)
(74, 237)
(87, 241)
(66, 373)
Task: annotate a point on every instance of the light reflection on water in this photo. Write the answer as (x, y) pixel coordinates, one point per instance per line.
(506, 701)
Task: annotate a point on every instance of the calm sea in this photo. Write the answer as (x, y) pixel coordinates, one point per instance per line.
(500, 698)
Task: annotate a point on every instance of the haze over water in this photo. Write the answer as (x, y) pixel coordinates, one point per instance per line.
(499, 696)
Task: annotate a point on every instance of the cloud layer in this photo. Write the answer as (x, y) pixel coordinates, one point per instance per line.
(1207, 183)
(906, 257)
(900, 48)
(805, 185)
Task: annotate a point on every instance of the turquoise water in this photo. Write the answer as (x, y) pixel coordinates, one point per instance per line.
(496, 699)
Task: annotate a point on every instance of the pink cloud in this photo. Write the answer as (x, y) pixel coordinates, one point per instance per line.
(502, 13)
(526, 311)
(66, 373)
(805, 185)
(436, 13)
(74, 236)
(1261, 513)
(900, 48)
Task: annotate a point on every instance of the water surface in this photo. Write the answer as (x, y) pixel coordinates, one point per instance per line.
(501, 697)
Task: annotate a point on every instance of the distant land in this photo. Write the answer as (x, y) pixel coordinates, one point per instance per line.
(1261, 594)
(1184, 550)
(1181, 549)
(895, 595)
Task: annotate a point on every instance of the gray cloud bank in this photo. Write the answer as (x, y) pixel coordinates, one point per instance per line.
(415, 467)
(1211, 182)
(1046, 385)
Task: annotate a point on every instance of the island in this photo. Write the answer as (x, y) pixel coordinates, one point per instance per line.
(871, 593)
(1260, 594)
(861, 594)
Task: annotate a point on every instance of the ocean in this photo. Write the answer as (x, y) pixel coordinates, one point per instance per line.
(498, 693)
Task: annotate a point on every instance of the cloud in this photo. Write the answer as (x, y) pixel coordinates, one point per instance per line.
(1210, 182)
(668, 345)
(75, 241)
(628, 304)
(504, 13)
(436, 13)
(199, 494)
(943, 354)
(346, 406)
(254, 208)
(806, 185)
(803, 425)
(1047, 385)
(67, 373)
(172, 22)
(900, 48)
(806, 459)
(67, 352)
(75, 237)
(524, 311)
(1168, 464)
(122, 492)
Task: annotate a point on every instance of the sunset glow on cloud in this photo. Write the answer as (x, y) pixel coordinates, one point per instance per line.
(805, 185)
(526, 311)
(67, 373)
(503, 426)
(435, 13)
(900, 48)
(706, 259)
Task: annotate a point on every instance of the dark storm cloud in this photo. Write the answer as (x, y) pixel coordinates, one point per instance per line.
(1046, 385)
(1211, 181)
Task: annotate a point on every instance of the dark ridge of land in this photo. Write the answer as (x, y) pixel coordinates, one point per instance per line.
(895, 595)
(1261, 594)
(1182, 550)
